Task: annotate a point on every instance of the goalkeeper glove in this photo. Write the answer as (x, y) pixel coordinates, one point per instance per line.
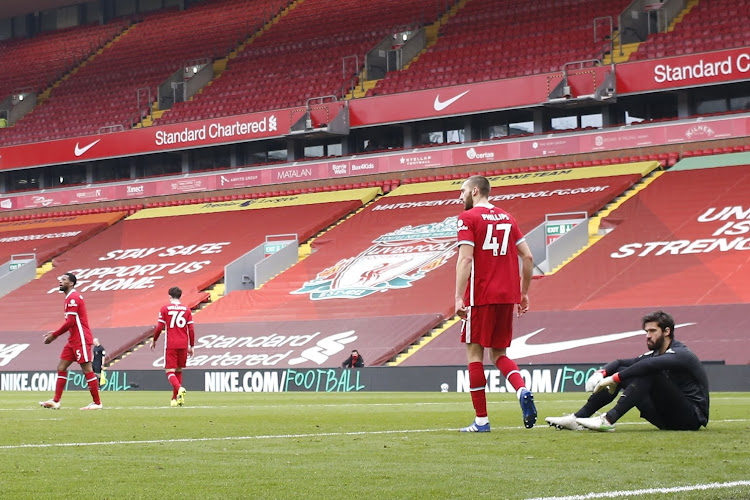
(594, 379)
(608, 383)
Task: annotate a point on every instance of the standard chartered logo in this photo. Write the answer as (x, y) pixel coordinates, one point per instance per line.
(8, 352)
(325, 348)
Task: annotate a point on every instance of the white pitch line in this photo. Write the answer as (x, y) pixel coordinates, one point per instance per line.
(648, 491)
(266, 406)
(226, 438)
(283, 436)
(324, 405)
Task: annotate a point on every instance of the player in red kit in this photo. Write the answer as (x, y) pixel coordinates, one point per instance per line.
(488, 289)
(177, 322)
(78, 347)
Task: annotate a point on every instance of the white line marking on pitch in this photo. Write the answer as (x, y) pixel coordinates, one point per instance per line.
(226, 438)
(649, 491)
(277, 436)
(324, 405)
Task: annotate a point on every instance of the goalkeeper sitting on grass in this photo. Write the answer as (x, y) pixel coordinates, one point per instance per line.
(668, 385)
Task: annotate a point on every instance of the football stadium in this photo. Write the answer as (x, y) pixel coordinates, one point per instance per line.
(287, 181)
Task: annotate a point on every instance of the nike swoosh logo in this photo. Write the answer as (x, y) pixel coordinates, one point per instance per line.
(439, 106)
(80, 150)
(520, 348)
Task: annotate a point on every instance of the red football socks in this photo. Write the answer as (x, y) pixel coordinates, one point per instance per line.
(172, 378)
(509, 369)
(93, 382)
(477, 381)
(62, 380)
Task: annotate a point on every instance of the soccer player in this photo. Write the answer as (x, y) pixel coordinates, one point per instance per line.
(668, 384)
(179, 343)
(488, 289)
(78, 347)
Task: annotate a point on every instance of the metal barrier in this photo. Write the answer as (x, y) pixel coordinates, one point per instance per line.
(261, 263)
(19, 270)
(111, 128)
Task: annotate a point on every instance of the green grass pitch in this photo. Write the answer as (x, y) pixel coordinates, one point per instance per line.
(378, 445)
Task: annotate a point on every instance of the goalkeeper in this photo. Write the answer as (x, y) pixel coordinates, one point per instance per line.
(668, 385)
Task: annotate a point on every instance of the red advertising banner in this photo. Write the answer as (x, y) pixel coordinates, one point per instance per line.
(563, 144)
(426, 158)
(549, 146)
(601, 335)
(639, 76)
(450, 101)
(683, 71)
(481, 154)
(623, 137)
(225, 130)
(703, 131)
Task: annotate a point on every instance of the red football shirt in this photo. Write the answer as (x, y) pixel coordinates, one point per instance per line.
(76, 320)
(177, 321)
(495, 276)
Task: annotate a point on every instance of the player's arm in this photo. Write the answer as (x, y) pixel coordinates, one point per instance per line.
(191, 339)
(619, 364)
(671, 360)
(527, 272)
(674, 360)
(463, 272)
(70, 321)
(157, 331)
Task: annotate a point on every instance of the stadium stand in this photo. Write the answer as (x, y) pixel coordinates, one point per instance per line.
(300, 57)
(680, 244)
(104, 91)
(595, 298)
(54, 54)
(47, 238)
(714, 25)
(380, 278)
(524, 35)
(125, 270)
(692, 255)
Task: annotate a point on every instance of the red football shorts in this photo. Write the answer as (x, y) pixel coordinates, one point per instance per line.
(490, 325)
(175, 358)
(76, 353)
